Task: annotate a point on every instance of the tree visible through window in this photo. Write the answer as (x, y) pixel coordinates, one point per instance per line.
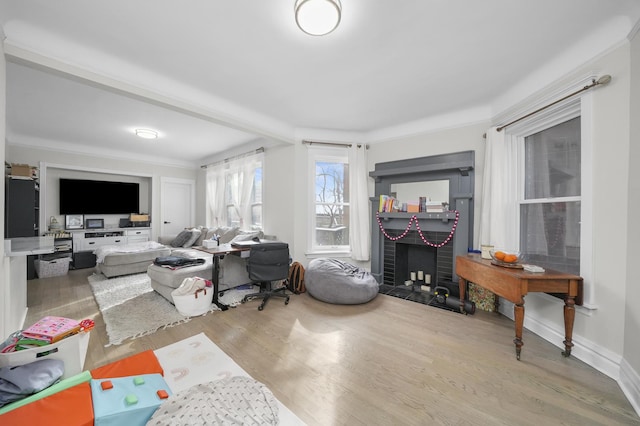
(331, 203)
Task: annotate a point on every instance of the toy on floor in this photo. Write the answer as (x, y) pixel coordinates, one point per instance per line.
(130, 400)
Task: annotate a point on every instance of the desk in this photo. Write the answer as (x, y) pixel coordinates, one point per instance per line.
(13, 300)
(514, 284)
(218, 253)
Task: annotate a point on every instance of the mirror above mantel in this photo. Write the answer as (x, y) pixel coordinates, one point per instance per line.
(435, 190)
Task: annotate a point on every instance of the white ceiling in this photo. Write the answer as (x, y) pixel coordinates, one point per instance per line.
(211, 75)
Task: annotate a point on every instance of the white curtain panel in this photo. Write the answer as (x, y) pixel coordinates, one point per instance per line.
(215, 196)
(499, 212)
(240, 173)
(359, 224)
(247, 173)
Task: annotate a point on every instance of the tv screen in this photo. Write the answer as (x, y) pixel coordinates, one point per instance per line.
(80, 196)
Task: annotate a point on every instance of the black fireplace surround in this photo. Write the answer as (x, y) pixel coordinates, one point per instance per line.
(392, 260)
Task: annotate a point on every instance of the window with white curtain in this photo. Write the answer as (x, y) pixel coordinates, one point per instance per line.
(538, 189)
(234, 192)
(330, 199)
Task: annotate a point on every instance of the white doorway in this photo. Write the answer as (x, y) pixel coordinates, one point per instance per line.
(177, 205)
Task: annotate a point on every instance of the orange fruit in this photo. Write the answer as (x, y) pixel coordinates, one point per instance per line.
(510, 258)
(499, 255)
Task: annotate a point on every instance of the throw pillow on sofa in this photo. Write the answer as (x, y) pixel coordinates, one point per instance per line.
(181, 238)
(203, 234)
(195, 234)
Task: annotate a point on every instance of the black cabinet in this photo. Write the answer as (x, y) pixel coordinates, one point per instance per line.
(22, 212)
(22, 203)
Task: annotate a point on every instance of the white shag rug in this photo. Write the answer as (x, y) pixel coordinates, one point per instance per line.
(131, 308)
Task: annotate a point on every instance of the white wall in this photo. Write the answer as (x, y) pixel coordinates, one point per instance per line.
(279, 196)
(630, 372)
(4, 275)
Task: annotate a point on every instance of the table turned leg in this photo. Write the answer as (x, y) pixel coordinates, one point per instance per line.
(518, 313)
(462, 285)
(569, 316)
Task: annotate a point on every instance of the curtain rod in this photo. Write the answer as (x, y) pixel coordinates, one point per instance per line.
(235, 157)
(345, 145)
(601, 81)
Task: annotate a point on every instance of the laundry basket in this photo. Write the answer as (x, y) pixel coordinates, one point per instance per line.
(194, 297)
(52, 268)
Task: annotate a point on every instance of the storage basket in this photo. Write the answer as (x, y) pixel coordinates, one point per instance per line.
(71, 350)
(52, 268)
(193, 297)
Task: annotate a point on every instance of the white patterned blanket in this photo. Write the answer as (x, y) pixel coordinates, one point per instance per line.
(101, 252)
(233, 401)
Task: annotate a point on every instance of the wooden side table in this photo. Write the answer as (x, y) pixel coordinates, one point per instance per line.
(514, 284)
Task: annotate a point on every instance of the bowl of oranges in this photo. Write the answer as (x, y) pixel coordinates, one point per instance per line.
(504, 257)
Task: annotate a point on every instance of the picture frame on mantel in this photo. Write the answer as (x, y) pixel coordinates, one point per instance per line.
(74, 221)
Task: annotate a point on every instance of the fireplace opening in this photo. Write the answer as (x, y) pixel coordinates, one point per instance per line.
(411, 255)
(413, 258)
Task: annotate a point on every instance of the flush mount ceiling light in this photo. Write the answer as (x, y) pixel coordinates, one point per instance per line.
(318, 17)
(146, 133)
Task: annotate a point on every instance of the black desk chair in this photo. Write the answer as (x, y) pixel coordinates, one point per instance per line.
(268, 262)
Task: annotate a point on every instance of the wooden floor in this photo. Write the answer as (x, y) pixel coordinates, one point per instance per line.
(388, 362)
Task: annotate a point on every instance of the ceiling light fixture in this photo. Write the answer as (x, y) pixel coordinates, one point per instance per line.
(318, 17)
(146, 133)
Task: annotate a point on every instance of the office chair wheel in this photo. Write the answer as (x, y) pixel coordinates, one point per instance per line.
(261, 307)
(286, 301)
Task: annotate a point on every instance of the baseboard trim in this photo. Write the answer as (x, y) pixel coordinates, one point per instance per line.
(596, 356)
(630, 384)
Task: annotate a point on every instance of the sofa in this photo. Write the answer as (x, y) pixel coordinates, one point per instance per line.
(233, 271)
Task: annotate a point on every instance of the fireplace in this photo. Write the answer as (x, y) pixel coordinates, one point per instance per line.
(411, 254)
(398, 249)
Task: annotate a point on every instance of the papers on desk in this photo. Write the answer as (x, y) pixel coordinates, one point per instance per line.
(533, 268)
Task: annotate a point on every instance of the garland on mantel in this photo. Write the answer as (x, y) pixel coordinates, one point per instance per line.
(415, 218)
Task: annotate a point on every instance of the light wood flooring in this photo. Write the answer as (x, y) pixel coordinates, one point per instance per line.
(388, 362)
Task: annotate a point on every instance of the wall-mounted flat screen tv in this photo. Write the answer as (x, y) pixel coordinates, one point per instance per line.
(81, 196)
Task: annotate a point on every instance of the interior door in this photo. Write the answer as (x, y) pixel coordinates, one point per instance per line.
(177, 199)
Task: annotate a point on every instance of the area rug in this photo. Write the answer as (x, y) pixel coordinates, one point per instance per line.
(197, 360)
(131, 308)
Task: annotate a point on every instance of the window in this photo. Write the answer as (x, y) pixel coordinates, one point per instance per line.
(239, 196)
(234, 192)
(550, 209)
(545, 194)
(330, 206)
